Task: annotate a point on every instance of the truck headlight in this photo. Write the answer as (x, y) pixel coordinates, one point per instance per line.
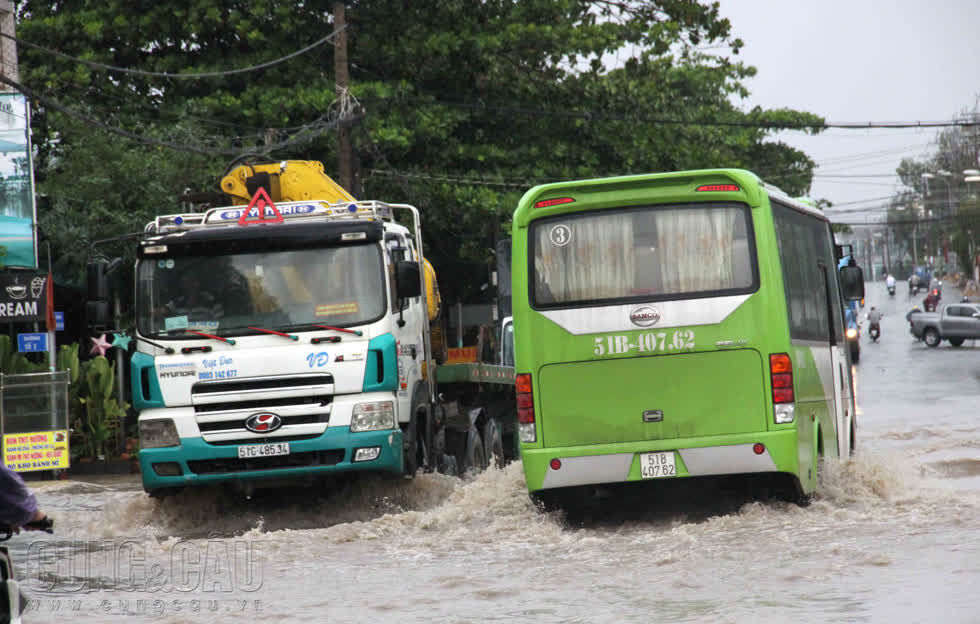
(373, 416)
(158, 433)
(852, 333)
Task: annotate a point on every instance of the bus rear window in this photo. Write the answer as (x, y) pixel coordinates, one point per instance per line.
(642, 254)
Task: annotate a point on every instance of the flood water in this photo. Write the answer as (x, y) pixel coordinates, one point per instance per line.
(892, 536)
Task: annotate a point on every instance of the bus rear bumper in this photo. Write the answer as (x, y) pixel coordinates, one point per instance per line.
(693, 457)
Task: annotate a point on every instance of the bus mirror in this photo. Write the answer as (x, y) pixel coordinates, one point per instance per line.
(408, 279)
(852, 282)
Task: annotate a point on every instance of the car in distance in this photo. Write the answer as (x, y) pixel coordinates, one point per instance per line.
(955, 322)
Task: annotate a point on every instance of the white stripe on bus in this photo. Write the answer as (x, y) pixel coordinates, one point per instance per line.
(684, 313)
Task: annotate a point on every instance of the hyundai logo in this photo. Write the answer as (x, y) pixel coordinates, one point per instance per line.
(644, 316)
(263, 422)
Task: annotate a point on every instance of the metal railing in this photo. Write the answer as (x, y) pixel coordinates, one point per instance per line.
(34, 402)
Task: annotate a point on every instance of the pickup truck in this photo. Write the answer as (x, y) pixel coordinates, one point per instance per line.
(954, 322)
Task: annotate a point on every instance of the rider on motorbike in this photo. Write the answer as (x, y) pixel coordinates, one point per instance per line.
(890, 283)
(18, 509)
(874, 322)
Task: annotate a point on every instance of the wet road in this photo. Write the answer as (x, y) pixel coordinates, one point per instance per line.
(893, 536)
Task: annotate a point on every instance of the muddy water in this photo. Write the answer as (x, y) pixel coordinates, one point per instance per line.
(893, 536)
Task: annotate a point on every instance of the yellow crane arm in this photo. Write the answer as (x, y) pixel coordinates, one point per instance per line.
(289, 180)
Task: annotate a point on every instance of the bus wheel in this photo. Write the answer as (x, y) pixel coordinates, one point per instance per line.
(545, 500)
(493, 443)
(474, 458)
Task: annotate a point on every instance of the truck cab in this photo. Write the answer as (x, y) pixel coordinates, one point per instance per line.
(279, 342)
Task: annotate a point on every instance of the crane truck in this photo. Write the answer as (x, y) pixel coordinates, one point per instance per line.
(287, 337)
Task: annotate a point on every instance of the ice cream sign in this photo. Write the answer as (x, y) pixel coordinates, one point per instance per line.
(23, 296)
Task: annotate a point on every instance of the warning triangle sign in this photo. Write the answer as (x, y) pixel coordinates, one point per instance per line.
(265, 210)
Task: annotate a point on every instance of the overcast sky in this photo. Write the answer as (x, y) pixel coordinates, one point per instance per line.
(861, 60)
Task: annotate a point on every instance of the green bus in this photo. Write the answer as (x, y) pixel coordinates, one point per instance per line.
(678, 325)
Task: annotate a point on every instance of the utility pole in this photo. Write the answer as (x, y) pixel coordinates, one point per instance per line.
(915, 245)
(345, 150)
(888, 256)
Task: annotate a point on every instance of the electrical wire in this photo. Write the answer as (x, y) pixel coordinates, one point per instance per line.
(317, 128)
(138, 72)
(594, 115)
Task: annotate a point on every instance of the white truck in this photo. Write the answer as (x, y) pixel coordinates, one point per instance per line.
(290, 341)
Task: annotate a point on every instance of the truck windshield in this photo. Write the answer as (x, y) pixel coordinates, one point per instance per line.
(336, 286)
(642, 254)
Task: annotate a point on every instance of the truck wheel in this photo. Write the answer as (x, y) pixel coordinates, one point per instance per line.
(932, 337)
(474, 458)
(956, 342)
(413, 449)
(493, 443)
(164, 492)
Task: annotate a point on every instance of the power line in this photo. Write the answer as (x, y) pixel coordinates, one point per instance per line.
(139, 72)
(594, 115)
(317, 127)
(161, 114)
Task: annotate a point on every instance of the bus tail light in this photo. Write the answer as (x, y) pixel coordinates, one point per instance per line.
(718, 187)
(525, 408)
(781, 378)
(544, 203)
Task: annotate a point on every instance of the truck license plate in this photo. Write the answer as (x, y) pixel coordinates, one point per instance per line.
(263, 450)
(657, 465)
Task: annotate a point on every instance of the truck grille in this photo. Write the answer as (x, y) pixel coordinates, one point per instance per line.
(294, 460)
(302, 402)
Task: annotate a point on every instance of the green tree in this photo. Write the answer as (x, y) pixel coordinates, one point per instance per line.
(465, 105)
(942, 211)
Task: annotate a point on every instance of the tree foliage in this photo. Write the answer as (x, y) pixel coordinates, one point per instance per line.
(937, 207)
(466, 105)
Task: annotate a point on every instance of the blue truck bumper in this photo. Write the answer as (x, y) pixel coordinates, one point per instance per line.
(201, 463)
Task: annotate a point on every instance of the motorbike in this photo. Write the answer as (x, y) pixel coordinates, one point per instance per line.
(931, 302)
(873, 332)
(12, 599)
(891, 290)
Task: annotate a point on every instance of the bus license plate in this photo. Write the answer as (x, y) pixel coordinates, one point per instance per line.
(263, 450)
(657, 465)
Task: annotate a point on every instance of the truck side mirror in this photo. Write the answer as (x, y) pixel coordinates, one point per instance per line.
(97, 285)
(97, 315)
(408, 279)
(96, 280)
(852, 283)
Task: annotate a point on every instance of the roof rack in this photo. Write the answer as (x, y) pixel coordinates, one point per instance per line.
(290, 211)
